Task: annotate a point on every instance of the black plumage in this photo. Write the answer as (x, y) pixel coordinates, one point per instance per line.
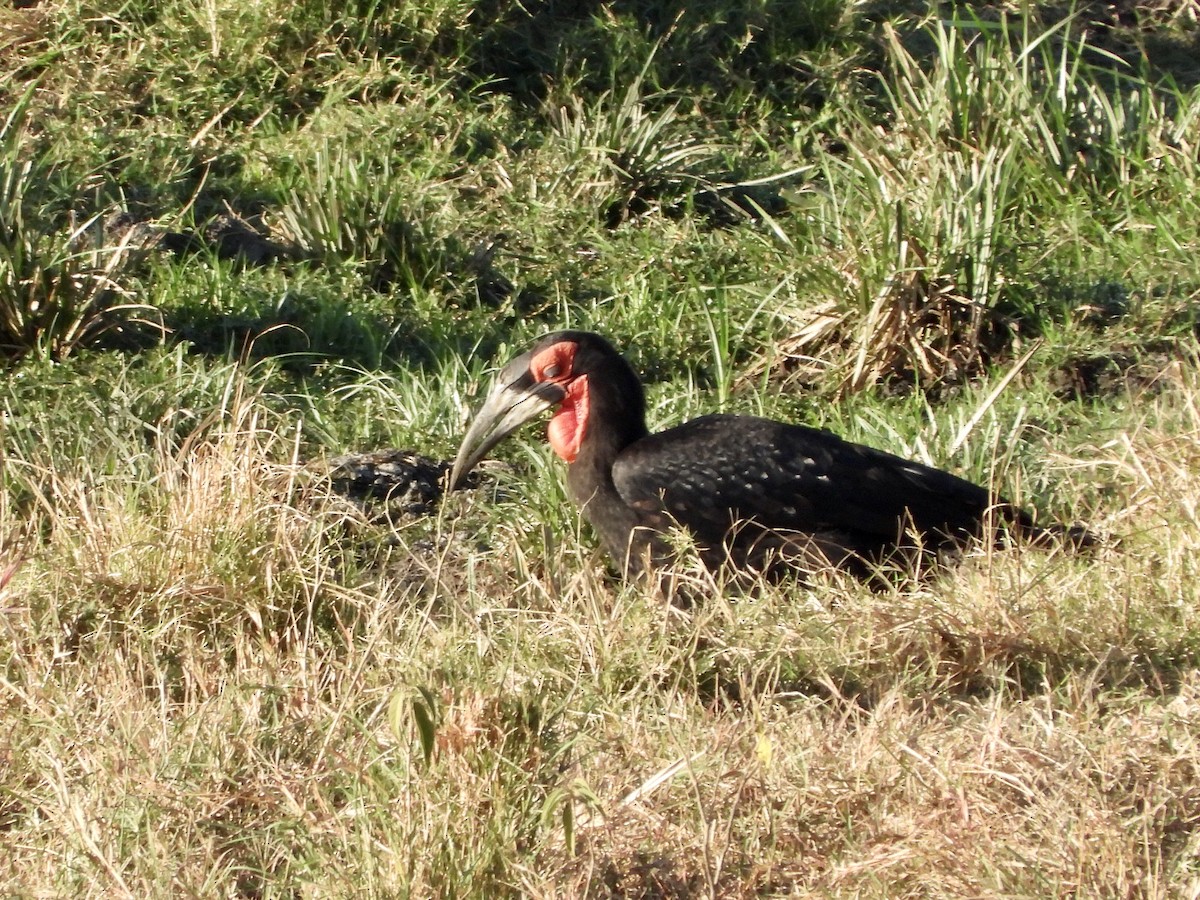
(760, 495)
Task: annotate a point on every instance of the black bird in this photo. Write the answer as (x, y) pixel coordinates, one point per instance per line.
(759, 495)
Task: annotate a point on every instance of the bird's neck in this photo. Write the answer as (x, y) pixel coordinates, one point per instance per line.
(614, 417)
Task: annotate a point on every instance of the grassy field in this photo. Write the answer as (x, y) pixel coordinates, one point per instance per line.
(240, 239)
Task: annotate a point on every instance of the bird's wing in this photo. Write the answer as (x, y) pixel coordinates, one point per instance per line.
(715, 469)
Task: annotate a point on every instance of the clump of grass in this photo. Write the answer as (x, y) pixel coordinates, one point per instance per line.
(932, 216)
(59, 288)
(643, 146)
(641, 143)
(351, 207)
(181, 535)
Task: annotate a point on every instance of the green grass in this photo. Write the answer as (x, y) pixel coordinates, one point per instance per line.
(971, 240)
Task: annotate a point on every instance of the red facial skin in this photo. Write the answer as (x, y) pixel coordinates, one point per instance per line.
(569, 424)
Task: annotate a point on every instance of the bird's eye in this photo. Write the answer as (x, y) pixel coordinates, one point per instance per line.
(551, 371)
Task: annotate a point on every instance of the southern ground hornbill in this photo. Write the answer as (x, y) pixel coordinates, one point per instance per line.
(757, 495)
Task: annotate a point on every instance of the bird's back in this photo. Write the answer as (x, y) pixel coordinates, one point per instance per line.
(748, 485)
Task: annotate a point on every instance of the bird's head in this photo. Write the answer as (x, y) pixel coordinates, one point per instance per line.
(569, 371)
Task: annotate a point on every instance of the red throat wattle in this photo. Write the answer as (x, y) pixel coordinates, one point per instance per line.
(569, 425)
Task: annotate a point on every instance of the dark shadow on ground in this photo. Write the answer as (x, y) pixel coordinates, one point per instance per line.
(527, 49)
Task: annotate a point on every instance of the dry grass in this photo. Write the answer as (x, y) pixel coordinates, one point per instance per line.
(209, 695)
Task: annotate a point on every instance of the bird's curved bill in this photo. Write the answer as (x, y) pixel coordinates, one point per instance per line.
(514, 399)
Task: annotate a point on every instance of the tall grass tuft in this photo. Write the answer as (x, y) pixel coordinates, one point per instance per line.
(936, 214)
(641, 144)
(59, 288)
(355, 206)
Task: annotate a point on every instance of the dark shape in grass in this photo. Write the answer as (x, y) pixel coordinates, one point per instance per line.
(236, 238)
(721, 204)
(729, 204)
(303, 331)
(400, 481)
(228, 236)
(643, 873)
(1162, 36)
(492, 287)
(1122, 371)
